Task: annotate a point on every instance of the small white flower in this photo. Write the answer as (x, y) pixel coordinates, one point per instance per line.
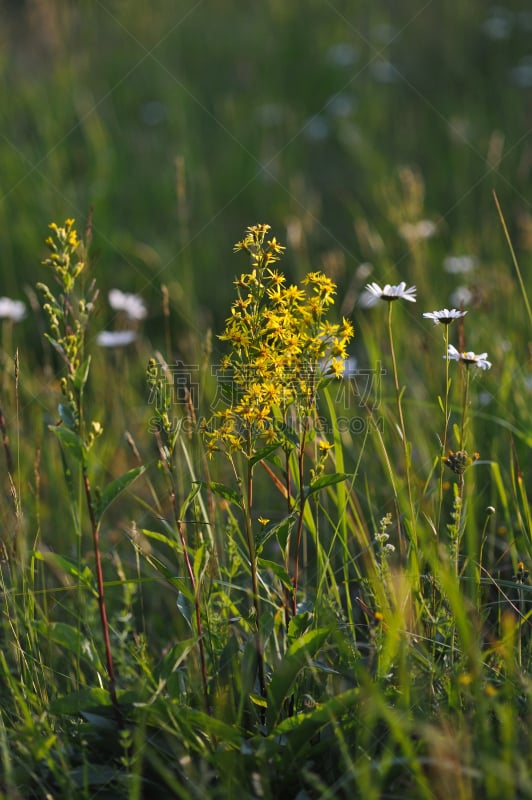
(445, 316)
(461, 296)
(14, 310)
(116, 338)
(132, 305)
(459, 265)
(389, 293)
(468, 358)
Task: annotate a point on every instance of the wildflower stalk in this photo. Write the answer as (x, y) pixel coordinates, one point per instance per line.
(95, 528)
(446, 418)
(280, 347)
(398, 394)
(461, 460)
(68, 318)
(457, 525)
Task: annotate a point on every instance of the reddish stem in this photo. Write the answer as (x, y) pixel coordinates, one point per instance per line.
(101, 599)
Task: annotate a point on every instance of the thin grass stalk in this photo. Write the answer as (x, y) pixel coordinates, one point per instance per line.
(189, 568)
(197, 607)
(464, 409)
(5, 442)
(514, 258)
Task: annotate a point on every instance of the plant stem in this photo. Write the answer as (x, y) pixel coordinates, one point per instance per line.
(253, 565)
(445, 425)
(302, 502)
(101, 597)
(197, 608)
(402, 428)
(464, 408)
(286, 590)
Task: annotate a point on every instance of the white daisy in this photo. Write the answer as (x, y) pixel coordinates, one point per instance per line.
(468, 357)
(14, 310)
(462, 296)
(132, 305)
(445, 316)
(389, 293)
(458, 265)
(116, 338)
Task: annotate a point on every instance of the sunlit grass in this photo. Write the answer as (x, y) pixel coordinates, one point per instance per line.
(240, 629)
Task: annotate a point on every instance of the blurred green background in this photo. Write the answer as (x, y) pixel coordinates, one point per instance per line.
(180, 123)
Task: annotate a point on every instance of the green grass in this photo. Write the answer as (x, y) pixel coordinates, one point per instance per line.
(401, 674)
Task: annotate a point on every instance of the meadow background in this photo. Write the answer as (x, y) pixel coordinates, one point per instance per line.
(371, 136)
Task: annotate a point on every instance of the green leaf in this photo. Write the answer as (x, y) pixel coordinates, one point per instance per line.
(174, 658)
(185, 606)
(113, 489)
(289, 434)
(58, 562)
(326, 480)
(217, 729)
(299, 655)
(55, 344)
(81, 375)
(281, 529)
(257, 700)
(299, 730)
(65, 635)
(298, 625)
(71, 489)
(189, 498)
(279, 571)
(161, 537)
(95, 700)
(80, 701)
(67, 417)
(264, 452)
(200, 561)
(224, 491)
(70, 440)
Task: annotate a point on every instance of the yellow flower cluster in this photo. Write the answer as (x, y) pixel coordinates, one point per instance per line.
(64, 244)
(281, 345)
